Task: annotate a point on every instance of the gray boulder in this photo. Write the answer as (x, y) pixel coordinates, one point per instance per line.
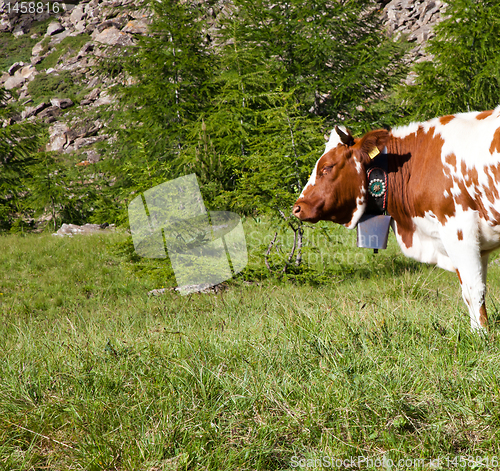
(113, 37)
(61, 103)
(54, 28)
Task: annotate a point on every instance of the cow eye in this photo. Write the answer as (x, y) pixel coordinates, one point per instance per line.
(325, 170)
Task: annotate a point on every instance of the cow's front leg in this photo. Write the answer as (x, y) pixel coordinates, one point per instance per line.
(475, 298)
(483, 316)
(461, 241)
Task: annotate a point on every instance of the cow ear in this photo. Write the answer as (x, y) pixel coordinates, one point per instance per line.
(372, 144)
(345, 136)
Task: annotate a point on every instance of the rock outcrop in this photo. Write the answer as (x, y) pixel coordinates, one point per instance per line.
(413, 20)
(98, 24)
(87, 229)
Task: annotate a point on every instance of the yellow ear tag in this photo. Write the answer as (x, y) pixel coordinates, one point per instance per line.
(374, 152)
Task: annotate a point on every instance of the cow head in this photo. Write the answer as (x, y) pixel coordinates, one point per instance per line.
(336, 189)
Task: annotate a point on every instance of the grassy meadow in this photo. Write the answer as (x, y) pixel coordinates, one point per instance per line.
(365, 362)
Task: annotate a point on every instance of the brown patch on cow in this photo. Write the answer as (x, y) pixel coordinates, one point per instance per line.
(463, 168)
(451, 159)
(495, 219)
(460, 234)
(459, 277)
(495, 171)
(473, 175)
(491, 189)
(405, 231)
(417, 183)
(432, 184)
(483, 316)
(399, 201)
(465, 200)
(484, 114)
(495, 143)
(469, 175)
(492, 192)
(446, 119)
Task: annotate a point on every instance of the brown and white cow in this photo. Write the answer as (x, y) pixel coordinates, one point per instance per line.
(443, 192)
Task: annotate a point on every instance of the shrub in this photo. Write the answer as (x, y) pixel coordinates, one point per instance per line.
(70, 44)
(46, 86)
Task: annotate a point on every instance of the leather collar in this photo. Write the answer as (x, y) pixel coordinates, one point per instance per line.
(378, 185)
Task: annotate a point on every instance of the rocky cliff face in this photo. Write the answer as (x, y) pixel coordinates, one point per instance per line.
(414, 20)
(61, 47)
(60, 64)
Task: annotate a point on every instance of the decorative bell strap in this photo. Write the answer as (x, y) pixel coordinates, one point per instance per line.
(377, 190)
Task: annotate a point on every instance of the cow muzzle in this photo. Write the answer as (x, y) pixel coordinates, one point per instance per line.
(303, 212)
(296, 211)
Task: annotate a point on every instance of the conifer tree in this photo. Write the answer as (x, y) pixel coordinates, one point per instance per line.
(223, 97)
(464, 73)
(18, 145)
(334, 55)
(168, 69)
(216, 145)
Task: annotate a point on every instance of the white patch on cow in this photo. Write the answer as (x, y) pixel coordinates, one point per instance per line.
(359, 167)
(334, 140)
(312, 179)
(489, 236)
(469, 140)
(427, 246)
(455, 190)
(403, 131)
(358, 212)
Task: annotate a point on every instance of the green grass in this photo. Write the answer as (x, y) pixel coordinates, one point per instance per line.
(14, 49)
(373, 359)
(69, 46)
(61, 85)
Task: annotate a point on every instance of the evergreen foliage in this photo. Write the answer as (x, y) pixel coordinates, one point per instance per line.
(464, 74)
(333, 54)
(40, 185)
(167, 76)
(241, 100)
(18, 144)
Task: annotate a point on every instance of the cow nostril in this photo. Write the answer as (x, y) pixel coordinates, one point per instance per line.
(296, 210)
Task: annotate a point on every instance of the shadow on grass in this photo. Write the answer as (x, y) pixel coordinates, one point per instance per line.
(377, 265)
(387, 265)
